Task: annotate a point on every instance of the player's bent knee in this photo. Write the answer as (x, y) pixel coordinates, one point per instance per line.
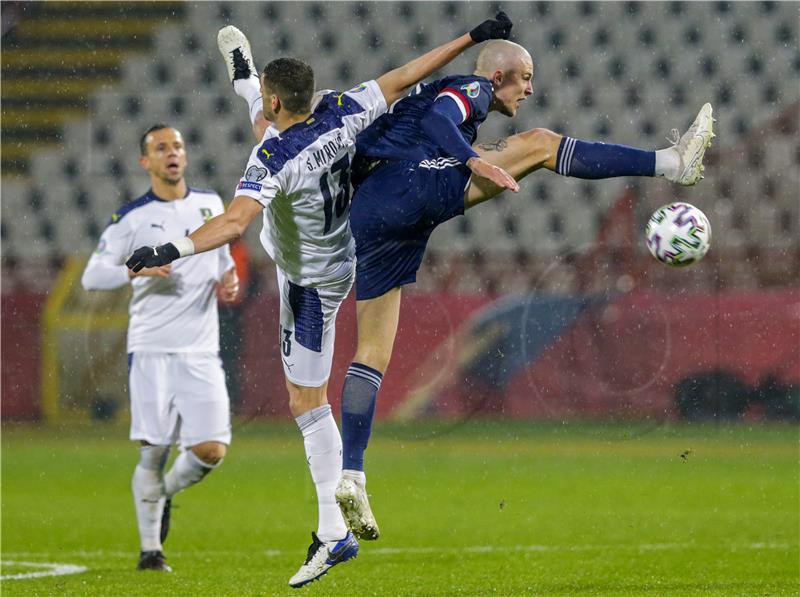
(542, 142)
(374, 357)
(211, 453)
(303, 399)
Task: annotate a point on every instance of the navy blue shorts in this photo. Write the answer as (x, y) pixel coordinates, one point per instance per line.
(393, 214)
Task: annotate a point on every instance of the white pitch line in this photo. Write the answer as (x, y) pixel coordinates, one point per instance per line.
(52, 569)
(389, 551)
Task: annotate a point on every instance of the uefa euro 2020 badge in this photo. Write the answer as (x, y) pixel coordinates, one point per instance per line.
(472, 89)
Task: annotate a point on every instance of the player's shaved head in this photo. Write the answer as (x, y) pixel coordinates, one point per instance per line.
(501, 54)
(509, 67)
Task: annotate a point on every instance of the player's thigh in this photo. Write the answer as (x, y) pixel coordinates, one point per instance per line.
(153, 419)
(307, 330)
(519, 155)
(377, 329)
(201, 398)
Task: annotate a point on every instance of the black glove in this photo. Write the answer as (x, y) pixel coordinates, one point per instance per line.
(152, 257)
(497, 28)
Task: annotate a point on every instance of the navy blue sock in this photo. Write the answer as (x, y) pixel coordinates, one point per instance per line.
(358, 409)
(585, 159)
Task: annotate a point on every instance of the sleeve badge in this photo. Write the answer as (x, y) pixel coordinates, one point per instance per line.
(472, 89)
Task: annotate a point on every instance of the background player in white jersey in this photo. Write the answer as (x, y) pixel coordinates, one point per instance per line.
(177, 384)
(299, 176)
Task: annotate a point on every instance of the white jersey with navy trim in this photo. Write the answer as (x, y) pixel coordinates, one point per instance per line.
(174, 314)
(302, 177)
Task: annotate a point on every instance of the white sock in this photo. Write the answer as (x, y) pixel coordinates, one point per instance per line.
(148, 494)
(324, 454)
(667, 162)
(187, 470)
(358, 476)
(250, 90)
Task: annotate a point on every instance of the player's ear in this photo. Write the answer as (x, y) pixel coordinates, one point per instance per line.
(275, 103)
(144, 161)
(497, 78)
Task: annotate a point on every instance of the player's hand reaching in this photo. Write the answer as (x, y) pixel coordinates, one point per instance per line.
(152, 257)
(493, 173)
(496, 28)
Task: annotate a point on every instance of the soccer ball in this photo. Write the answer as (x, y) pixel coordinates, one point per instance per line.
(678, 234)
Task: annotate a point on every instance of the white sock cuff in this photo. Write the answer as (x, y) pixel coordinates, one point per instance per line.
(256, 107)
(358, 476)
(153, 458)
(196, 462)
(668, 162)
(307, 420)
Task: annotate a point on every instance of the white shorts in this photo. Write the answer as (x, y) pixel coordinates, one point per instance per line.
(178, 396)
(308, 328)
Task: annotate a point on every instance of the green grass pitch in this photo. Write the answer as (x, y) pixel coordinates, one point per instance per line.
(477, 509)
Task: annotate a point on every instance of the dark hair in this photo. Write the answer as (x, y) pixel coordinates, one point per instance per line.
(292, 80)
(143, 141)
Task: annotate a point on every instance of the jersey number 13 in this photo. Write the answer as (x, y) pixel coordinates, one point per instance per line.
(336, 206)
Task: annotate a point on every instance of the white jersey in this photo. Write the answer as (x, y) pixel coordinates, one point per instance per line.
(302, 177)
(174, 314)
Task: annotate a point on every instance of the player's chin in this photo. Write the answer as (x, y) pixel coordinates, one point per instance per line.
(174, 176)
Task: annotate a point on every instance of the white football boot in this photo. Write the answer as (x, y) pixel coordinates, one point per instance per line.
(354, 504)
(235, 49)
(691, 147)
(322, 556)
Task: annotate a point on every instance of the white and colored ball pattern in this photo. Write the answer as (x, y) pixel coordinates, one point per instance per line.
(678, 234)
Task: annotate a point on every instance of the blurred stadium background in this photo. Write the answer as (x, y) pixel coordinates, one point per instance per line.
(544, 305)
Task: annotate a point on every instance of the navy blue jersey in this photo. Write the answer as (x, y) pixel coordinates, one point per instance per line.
(398, 134)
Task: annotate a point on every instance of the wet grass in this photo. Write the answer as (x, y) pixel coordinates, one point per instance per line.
(475, 508)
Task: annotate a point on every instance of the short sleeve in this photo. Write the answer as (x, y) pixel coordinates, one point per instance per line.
(359, 106)
(472, 97)
(256, 181)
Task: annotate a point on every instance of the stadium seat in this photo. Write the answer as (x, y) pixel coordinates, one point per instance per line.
(630, 74)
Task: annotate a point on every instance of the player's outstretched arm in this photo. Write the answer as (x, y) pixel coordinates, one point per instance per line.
(216, 232)
(396, 83)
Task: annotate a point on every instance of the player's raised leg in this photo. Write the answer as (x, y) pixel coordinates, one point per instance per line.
(235, 50)
(526, 152)
(377, 328)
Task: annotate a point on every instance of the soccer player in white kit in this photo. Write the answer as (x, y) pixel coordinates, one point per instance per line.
(298, 175)
(177, 385)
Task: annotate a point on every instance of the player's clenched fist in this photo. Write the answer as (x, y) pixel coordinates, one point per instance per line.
(152, 257)
(497, 28)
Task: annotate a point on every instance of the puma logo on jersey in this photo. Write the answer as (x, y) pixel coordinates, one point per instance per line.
(161, 225)
(339, 98)
(266, 153)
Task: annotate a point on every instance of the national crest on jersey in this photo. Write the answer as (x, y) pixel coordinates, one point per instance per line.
(305, 184)
(399, 135)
